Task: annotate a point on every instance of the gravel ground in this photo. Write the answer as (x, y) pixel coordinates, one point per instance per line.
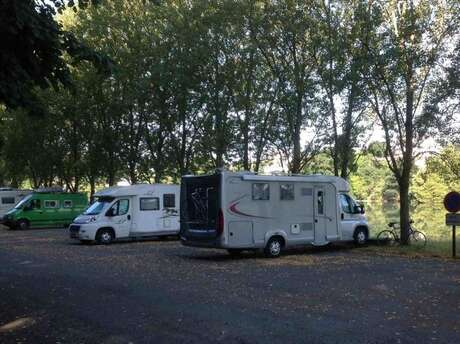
(54, 290)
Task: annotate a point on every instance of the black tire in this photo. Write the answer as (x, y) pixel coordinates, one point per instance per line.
(23, 224)
(360, 236)
(274, 247)
(105, 236)
(418, 239)
(386, 237)
(234, 252)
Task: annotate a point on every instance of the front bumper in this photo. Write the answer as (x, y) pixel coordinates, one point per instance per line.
(82, 231)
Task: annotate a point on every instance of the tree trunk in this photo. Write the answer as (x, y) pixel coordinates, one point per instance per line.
(346, 145)
(404, 212)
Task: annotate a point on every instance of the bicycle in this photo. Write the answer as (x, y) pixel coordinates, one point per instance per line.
(391, 236)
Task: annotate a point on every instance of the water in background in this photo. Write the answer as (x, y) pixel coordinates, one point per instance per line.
(427, 218)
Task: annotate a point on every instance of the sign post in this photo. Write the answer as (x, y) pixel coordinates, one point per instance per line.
(452, 205)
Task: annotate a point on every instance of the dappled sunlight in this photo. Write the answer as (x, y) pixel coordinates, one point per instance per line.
(17, 324)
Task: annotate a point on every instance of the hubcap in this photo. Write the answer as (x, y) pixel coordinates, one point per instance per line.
(106, 237)
(361, 237)
(275, 248)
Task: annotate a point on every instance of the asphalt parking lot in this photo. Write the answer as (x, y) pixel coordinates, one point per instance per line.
(54, 290)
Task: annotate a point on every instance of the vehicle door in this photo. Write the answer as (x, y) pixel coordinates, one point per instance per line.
(33, 212)
(50, 214)
(348, 217)
(119, 217)
(170, 216)
(321, 219)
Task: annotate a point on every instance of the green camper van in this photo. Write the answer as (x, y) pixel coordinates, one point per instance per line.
(45, 208)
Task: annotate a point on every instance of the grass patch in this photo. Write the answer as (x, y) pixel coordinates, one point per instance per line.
(433, 248)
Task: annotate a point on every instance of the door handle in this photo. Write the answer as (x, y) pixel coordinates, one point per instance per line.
(341, 216)
(316, 220)
(129, 217)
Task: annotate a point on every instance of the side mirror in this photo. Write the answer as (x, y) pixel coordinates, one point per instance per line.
(361, 209)
(109, 212)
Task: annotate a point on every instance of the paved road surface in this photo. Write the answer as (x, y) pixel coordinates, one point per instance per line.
(55, 290)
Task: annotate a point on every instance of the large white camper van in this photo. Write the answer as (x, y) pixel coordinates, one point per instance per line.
(242, 210)
(9, 197)
(134, 211)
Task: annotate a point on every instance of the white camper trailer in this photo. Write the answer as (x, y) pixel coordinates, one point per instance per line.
(9, 197)
(242, 210)
(134, 211)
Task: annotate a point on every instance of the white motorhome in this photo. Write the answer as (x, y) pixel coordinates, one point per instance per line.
(9, 197)
(134, 211)
(243, 211)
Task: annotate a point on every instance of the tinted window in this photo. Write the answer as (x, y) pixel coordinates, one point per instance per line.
(35, 204)
(169, 201)
(8, 200)
(67, 204)
(345, 204)
(51, 204)
(320, 202)
(260, 191)
(286, 192)
(152, 203)
(121, 207)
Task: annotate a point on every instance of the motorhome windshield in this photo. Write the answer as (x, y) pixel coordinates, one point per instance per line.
(21, 204)
(98, 206)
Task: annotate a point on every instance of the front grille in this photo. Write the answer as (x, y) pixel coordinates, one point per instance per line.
(73, 229)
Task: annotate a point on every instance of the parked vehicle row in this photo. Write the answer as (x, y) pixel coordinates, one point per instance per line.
(235, 211)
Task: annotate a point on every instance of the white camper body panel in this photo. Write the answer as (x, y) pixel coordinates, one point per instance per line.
(303, 211)
(148, 210)
(9, 197)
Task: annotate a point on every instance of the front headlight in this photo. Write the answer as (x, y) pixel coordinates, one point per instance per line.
(91, 219)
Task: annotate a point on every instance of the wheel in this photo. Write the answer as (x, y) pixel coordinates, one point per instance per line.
(386, 237)
(23, 224)
(234, 251)
(417, 238)
(273, 248)
(105, 236)
(360, 236)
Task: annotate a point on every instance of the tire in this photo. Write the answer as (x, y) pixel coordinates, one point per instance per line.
(386, 237)
(274, 247)
(23, 224)
(417, 239)
(234, 252)
(360, 236)
(105, 236)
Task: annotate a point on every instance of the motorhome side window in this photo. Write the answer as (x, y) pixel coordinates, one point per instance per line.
(169, 201)
(345, 204)
(150, 203)
(286, 192)
(8, 200)
(51, 204)
(67, 204)
(260, 191)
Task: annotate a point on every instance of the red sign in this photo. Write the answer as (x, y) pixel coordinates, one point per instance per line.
(452, 202)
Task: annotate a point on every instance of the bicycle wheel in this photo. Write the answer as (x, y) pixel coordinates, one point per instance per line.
(386, 237)
(417, 238)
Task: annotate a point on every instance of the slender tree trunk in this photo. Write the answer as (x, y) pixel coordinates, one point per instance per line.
(346, 145)
(297, 151)
(92, 186)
